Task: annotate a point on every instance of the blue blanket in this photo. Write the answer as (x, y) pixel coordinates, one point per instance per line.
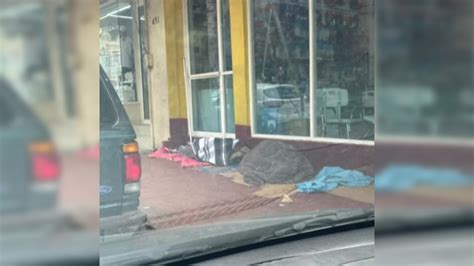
(331, 177)
(397, 178)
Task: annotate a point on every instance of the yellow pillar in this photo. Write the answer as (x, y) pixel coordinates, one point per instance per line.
(240, 64)
(174, 57)
(174, 39)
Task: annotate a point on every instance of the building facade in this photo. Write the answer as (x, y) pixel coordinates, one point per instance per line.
(298, 71)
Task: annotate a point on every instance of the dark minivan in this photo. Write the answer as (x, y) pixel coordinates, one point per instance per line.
(120, 167)
(28, 161)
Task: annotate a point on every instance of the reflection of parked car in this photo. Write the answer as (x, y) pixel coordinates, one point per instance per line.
(278, 104)
(120, 167)
(277, 95)
(29, 163)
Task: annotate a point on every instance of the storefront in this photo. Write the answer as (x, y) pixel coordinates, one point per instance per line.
(123, 46)
(297, 71)
(310, 70)
(209, 68)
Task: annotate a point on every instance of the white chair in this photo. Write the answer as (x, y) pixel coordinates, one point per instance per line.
(333, 99)
(368, 104)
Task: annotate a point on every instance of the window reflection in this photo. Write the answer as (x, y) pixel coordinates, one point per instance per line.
(117, 50)
(341, 73)
(206, 105)
(144, 52)
(229, 94)
(344, 67)
(281, 58)
(205, 51)
(202, 27)
(226, 38)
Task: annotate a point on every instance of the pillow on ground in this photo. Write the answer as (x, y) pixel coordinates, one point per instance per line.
(275, 162)
(214, 150)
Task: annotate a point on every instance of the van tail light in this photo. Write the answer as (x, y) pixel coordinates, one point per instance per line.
(133, 170)
(133, 167)
(44, 161)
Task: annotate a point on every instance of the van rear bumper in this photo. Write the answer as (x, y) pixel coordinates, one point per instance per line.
(127, 203)
(129, 222)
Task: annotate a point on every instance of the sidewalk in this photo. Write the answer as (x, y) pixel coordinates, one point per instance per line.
(173, 196)
(78, 189)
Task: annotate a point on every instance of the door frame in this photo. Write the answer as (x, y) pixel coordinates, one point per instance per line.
(220, 74)
(138, 59)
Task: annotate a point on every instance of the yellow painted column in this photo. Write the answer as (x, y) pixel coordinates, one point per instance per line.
(174, 38)
(174, 57)
(240, 64)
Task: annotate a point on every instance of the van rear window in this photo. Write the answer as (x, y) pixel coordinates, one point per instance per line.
(108, 115)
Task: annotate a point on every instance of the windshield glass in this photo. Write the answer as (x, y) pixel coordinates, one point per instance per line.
(293, 147)
(247, 132)
(425, 176)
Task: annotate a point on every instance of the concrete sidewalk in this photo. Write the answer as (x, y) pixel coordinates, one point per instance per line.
(172, 196)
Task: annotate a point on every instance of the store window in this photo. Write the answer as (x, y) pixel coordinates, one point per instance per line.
(210, 67)
(144, 49)
(117, 47)
(313, 68)
(344, 69)
(281, 58)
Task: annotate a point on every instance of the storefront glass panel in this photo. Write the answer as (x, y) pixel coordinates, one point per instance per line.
(313, 69)
(229, 95)
(202, 32)
(210, 66)
(117, 49)
(344, 95)
(143, 53)
(206, 105)
(226, 38)
(281, 67)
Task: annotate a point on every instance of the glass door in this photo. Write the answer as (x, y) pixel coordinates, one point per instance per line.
(209, 68)
(117, 46)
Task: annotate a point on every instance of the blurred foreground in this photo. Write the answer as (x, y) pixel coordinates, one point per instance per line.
(425, 129)
(48, 132)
